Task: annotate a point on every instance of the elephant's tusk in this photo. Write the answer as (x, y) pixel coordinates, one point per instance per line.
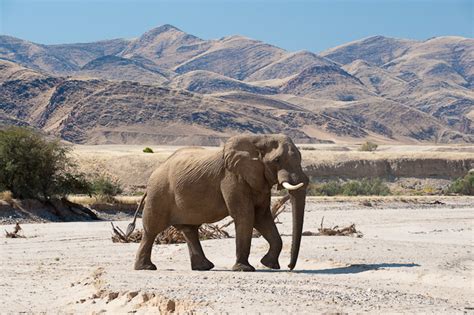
(288, 186)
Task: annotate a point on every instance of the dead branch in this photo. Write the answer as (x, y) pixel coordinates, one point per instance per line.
(15, 234)
(346, 231)
(279, 204)
(169, 236)
(334, 231)
(119, 235)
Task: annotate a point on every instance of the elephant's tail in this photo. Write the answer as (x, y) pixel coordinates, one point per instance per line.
(140, 206)
(131, 226)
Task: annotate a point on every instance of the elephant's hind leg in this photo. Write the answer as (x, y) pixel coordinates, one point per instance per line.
(143, 258)
(196, 254)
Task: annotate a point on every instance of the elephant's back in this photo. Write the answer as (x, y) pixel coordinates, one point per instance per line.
(192, 178)
(187, 169)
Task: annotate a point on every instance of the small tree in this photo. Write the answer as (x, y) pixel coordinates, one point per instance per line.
(33, 167)
(368, 146)
(463, 185)
(148, 150)
(104, 188)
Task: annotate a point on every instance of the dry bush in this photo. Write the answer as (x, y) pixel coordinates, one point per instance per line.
(368, 146)
(6, 196)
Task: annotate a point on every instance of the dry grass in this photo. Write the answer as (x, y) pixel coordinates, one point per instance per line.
(6, 196)
(86, 200)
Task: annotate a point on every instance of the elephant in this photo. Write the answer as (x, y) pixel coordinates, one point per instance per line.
(195, 186)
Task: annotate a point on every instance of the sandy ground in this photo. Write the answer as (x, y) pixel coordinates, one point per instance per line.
(412, 258)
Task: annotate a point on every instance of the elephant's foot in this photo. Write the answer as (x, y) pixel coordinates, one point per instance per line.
(270, 262)
(201, 263)
(242, 267)
(144, 266)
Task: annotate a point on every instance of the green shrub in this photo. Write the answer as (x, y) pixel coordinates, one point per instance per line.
(104, 188)
(364, 187)
(331, 188)
(307, 148)
(33, 167)
(148, 150)
(463, 185)
(368, 146)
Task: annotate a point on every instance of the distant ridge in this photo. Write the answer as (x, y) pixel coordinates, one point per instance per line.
(167, 86)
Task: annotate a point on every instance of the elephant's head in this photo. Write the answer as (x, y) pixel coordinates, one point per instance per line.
(266, 160)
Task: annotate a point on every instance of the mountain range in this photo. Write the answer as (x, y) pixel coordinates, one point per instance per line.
(168, 86)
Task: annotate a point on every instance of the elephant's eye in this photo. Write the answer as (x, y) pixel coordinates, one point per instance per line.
(276, 160)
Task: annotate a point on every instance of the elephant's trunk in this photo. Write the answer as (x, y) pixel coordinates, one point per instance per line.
(298, 200)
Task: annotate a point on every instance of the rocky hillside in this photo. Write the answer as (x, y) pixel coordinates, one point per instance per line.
(168, 86)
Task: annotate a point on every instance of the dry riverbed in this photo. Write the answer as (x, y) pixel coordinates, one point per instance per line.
(413, 257)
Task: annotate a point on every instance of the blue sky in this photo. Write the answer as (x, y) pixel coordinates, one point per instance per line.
(293, 25)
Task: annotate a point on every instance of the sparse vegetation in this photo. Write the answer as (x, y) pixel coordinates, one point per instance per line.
(463, 185)
(6, 196)
(34, 167)
(104, 188)
(148, 150)
(368, 146)
(305, 148)
(364, 187)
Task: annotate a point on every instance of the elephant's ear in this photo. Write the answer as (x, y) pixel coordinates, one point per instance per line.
(242, 157)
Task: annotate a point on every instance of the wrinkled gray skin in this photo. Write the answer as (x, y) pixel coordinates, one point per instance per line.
(195, 186)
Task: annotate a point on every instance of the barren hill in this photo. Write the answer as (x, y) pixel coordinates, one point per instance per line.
(211, 82)
(168, 86)
(116, 68)
(101, 111)
(166, 46)
(377, 50)
(235, 56)
(290, 64)
(327, 82)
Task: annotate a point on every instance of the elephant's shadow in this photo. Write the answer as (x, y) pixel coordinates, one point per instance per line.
(351, 269)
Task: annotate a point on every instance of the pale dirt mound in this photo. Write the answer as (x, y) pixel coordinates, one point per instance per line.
(132, 167)
(93, 295)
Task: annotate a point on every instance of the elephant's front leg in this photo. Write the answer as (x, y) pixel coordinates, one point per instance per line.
(242, 210)
(196, 254)
(243, 240)
(265, 224)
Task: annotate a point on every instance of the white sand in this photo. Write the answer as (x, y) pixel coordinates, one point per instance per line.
(412, 258)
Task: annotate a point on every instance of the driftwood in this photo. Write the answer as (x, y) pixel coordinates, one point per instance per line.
(15, 232)
(335, 231)
(279, 206)
(169, 236)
